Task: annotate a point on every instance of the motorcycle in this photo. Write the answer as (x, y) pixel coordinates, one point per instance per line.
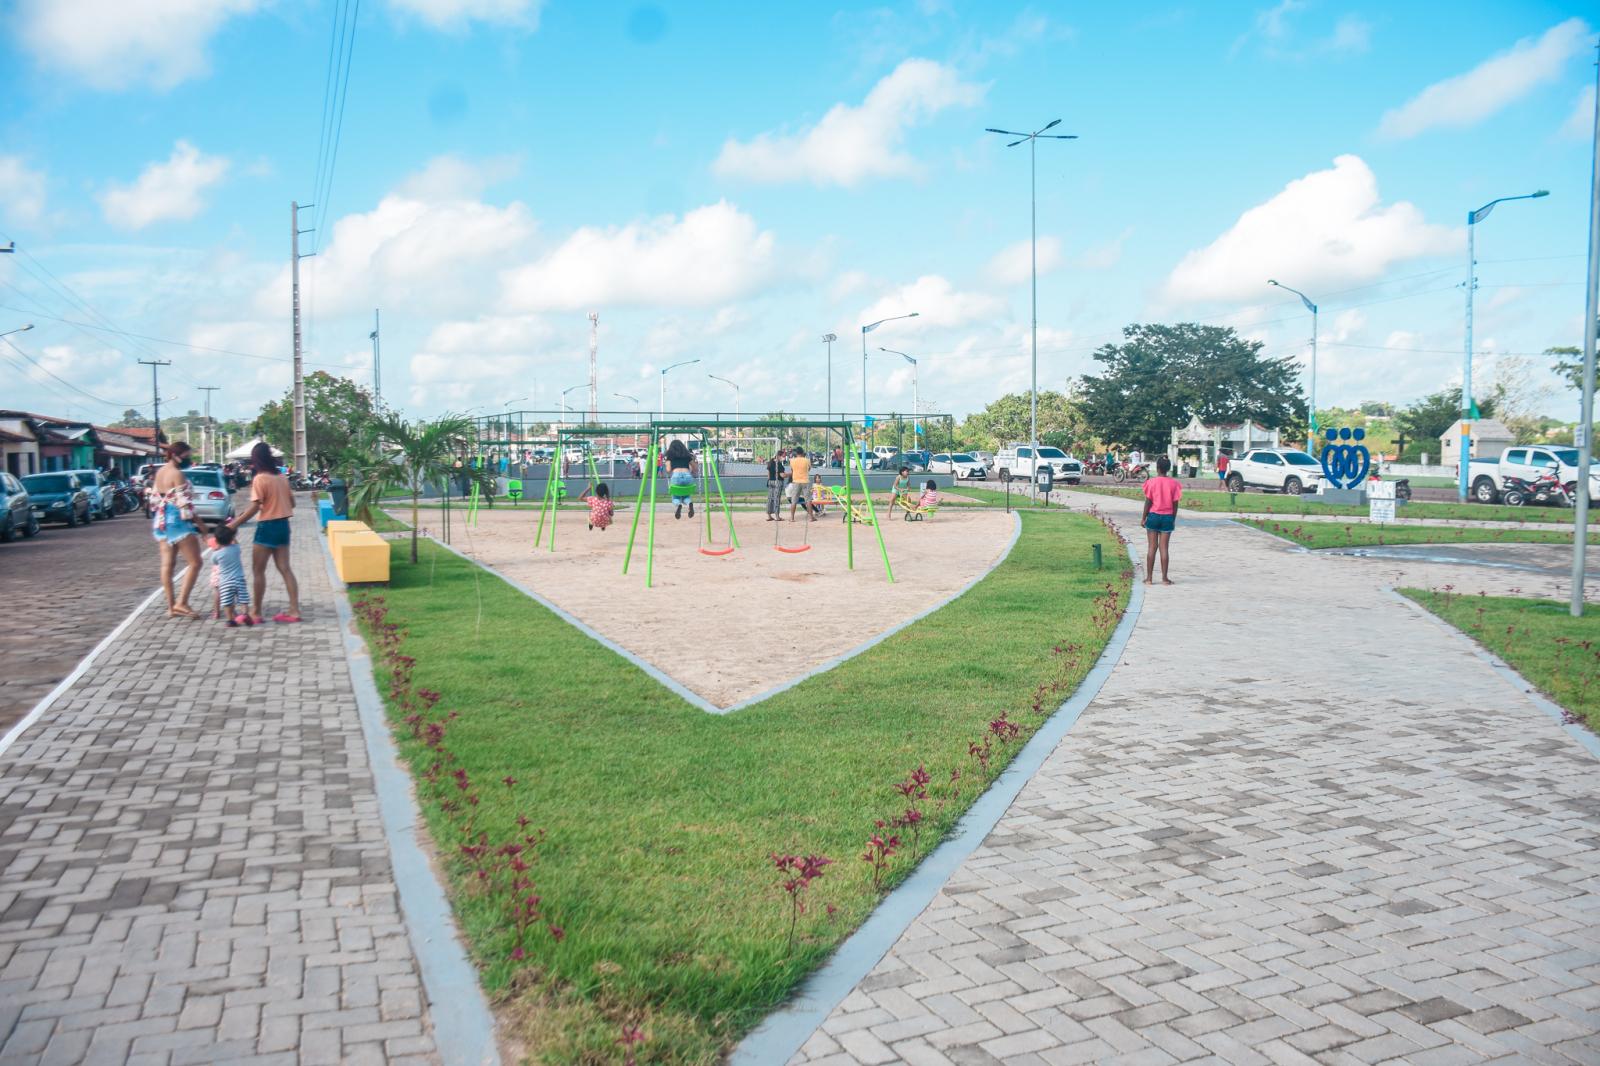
(1095, 466)
(1139, 472)
(125, 498)
(1545, 489)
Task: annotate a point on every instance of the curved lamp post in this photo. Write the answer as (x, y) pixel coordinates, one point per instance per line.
(1311, 401)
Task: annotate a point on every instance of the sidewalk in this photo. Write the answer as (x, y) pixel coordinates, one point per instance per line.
(192, 865)
(1301, 822)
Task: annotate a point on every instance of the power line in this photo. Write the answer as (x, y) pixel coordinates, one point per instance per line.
(64, 381)
(324, 194)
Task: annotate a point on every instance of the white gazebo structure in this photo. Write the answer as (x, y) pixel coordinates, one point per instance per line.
(1208, 441)
(243, 450)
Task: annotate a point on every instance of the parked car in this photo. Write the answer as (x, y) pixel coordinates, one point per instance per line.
(209, 490)
(917, 462)
(16, 509)
(1019, 461)
(102, 497)
(58, 497)
(959, 464)
(1286, 470)
(986, 458)
(1528, 462)
(884, 451)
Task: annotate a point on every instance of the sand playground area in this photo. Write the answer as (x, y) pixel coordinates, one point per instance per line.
(734, 626)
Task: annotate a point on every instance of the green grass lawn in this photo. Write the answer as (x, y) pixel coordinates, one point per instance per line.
(1558, 654)
(661, 818)
(1339, 535)
(1272, 503)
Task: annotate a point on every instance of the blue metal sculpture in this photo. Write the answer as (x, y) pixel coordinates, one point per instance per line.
(1345, 465)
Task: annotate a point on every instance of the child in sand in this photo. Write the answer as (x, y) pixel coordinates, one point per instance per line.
(600, 507)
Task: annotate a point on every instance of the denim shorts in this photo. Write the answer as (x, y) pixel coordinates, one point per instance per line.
(273, 533)
(1161, 523)
(681, 485)
(178, 527)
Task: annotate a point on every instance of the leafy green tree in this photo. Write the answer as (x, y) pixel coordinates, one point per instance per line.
(1376, 409)
(1426, 419)
(338, 411)
(1160, 375)
(1006, 420)
(409, 455)
(131, 419)
(1569, 363)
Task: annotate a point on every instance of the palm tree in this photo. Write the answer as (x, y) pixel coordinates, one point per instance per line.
(411, 455)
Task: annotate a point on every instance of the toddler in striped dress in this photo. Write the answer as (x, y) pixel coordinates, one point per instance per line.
(227, 571)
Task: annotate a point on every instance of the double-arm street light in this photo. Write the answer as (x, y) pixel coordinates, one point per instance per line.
(866, 329)
(674, 366)
(738, 412)
(565, 393)
(1033, 255)
(916, 402)
(1311, 402)
(1464, 449)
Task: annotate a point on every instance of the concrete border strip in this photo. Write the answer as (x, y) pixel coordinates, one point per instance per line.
(696, 699)
(1509, 674)
(463, 1025)
(78, 671)
(785, 1030)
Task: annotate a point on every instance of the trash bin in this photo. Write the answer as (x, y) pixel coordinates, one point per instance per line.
(340, 496)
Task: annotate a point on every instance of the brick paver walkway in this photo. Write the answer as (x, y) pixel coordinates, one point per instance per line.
(1300, 823)
(192, 868)
(62, 591)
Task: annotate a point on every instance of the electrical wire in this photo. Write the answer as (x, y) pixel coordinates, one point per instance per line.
(64, 381)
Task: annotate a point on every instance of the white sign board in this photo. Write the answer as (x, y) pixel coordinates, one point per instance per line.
(1380, 501)
(1580, 435)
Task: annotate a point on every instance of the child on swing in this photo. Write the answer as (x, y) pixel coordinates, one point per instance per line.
(601, 508)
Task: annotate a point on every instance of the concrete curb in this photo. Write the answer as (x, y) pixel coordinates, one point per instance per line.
(463, 1026)
(1508, 673)
(696, 699)
(785, 1031)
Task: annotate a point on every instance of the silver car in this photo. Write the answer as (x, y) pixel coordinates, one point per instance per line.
(212, 501)
(99, 490)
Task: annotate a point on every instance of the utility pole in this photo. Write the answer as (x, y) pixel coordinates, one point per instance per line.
(301, 461)
(377, 363)
(155, 392)
(210, 429)
(594, 368)
(1591, 322)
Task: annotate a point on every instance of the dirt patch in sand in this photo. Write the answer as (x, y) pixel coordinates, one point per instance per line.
(734, 626)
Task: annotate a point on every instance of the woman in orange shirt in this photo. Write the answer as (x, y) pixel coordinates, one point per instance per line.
(273, 500)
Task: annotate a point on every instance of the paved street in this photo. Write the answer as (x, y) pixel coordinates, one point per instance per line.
(192, 868)
(63, 591)
(1300, 823)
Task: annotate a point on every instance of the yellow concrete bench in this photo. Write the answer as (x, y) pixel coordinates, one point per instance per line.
(339, 527)
(361, 557)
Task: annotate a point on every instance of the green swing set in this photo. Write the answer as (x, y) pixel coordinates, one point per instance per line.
(707, 433)
(555, 489)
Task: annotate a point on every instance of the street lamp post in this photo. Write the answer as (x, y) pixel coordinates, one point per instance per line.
(1311, 401)
(916, 401)
(738, 412)
(1464, 449)
(828, 339)
(674, 366)
(564, 393)
(866, 329)
(1033, 254)
(625, 396)
(19, 329)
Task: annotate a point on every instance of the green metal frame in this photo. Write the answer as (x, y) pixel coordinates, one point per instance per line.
(661, 426)
(553, 487)
(709, 477)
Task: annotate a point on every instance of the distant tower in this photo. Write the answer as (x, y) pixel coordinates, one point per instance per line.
(594, 367)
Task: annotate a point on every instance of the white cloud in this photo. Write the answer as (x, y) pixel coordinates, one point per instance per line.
(169, 190)
(114, 44)
(22, 191)
(1347, 324)
(1274, 30)
(1012, 265)
(449, 177)
(430, 256)
(1351, 34)
(1107, 255)
(1490, 86)
(457, 14)
(1579, 125)
(851, 144)
(504, 352)
(939, 305)
(712, 254)
(1323, 229)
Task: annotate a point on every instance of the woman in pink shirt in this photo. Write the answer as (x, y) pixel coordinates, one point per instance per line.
(1161, 496)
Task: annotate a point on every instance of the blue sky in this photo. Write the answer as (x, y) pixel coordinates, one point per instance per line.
(729, 185)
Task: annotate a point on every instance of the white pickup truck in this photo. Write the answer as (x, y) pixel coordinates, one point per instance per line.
(1017, 461)
(1486, 477)
(1286, 470)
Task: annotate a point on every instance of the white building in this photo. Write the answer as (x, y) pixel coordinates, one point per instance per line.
(1199, 443)
(1489, 440)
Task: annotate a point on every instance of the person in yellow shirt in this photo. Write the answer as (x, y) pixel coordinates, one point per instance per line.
(799, 481)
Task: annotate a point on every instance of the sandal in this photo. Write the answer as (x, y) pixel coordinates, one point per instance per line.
(182, 610)
(285, 618)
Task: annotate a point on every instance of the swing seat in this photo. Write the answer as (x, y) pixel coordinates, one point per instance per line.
(717, 551)
(793, 551)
